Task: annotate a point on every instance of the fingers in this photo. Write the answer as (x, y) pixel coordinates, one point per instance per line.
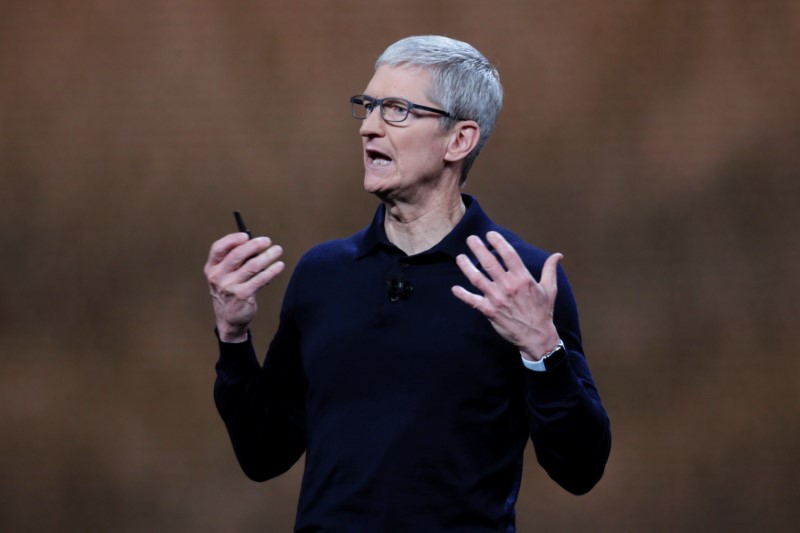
(511, 262)
(511, 259)
(472, 300)
(249, 250)
(549, 280)
(263, 276)
(220, 248)
(507, 252)
(505, 276)
(488, 261)
(252, 273)
(247, 265)
(234, 250)
(475, 276)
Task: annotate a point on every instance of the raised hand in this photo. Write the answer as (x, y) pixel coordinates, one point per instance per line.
(237, 268)
(519, 308)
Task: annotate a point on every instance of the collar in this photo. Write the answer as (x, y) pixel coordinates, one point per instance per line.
(474, 222)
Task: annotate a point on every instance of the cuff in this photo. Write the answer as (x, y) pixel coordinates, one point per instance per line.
(536, 366)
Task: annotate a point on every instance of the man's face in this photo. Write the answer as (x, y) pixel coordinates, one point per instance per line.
(403, 160)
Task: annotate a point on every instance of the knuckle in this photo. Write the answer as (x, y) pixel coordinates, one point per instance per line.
(252, 269)
(213, 277)
(509, 290)
(239, 293)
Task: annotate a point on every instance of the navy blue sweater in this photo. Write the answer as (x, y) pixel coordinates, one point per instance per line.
(414, 414)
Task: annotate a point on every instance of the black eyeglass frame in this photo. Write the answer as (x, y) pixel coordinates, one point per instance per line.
(360, 99)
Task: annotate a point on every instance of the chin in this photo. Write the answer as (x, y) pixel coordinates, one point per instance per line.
(374, 184)
(382, 193)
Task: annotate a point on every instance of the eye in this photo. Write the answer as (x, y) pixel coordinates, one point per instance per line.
(364, 102)
(395, 108)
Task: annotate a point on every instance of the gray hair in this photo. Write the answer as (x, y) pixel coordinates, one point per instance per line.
(465, 84)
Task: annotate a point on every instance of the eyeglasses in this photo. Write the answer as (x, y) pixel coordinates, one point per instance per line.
(392, 109)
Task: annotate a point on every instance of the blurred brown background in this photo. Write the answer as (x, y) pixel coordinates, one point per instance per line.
(655, 143)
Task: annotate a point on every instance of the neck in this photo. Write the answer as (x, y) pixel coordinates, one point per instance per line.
(419, 226)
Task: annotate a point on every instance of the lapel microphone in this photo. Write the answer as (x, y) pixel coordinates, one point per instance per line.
(398, 287)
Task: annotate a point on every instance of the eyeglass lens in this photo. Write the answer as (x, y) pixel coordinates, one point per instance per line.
(392, 109)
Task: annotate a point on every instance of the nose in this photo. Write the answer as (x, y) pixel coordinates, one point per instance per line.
(372, 125)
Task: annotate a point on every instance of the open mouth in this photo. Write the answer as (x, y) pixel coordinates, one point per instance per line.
(377, 158)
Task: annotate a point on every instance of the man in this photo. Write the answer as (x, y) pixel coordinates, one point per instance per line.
(413, 360)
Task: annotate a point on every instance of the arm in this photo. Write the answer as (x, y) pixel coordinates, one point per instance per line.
(262, 407)
(569, 427)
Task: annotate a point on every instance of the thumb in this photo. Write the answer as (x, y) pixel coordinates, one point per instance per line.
(549, 279)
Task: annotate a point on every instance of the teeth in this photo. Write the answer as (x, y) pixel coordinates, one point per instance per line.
(378, 159)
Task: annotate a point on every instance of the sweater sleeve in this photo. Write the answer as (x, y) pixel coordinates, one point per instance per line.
(263, 406)
(569, 427)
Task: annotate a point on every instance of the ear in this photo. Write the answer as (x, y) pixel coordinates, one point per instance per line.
(463, 139)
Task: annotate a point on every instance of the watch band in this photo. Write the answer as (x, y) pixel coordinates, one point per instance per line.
(557, 347)
(549, 360)
(554, 356)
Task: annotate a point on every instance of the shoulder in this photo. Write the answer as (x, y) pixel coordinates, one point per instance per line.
(332, 252)
(318, 266)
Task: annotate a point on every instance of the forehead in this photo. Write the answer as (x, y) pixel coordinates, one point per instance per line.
(409, 82)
